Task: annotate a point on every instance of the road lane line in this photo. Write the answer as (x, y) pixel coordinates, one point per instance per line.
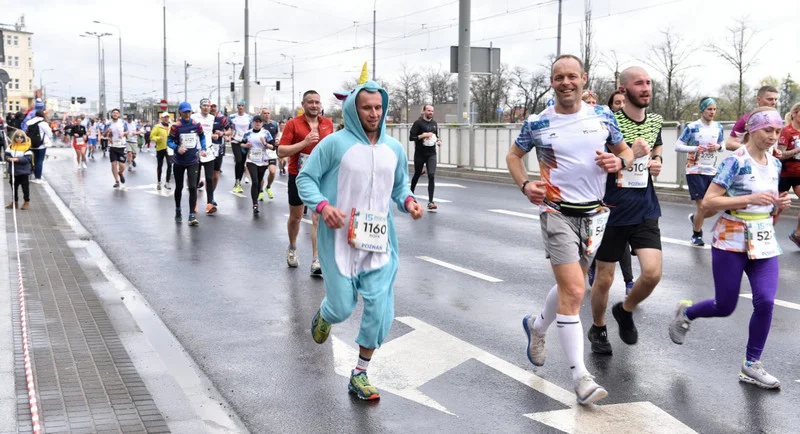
(788, 304)
(442, 185)
(439, 199)
(515, 214)
(460, 269)
(536, 217)
(280, 182)
(304, 220)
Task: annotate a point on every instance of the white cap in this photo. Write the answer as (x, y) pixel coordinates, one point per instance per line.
(165, 114)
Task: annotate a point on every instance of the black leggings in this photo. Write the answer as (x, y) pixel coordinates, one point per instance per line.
(193, 173)
(208, 170)
(256, 176)
(26, 189)
(420, 160)
(239, 158)
(160, 156)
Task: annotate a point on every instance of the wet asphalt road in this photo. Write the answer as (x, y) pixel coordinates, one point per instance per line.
(224, 290)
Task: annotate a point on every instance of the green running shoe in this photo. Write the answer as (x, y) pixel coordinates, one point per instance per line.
(261, 196)
(361, 387)
(320, 329)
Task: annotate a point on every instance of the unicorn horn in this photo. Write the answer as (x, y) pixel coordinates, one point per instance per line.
(364, 75)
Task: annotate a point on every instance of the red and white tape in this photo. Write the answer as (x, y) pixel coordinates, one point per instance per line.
(37, 426)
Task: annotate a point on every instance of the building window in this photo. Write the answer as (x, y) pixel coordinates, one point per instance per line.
(29, 42)
(8, 40)
(16, 40)
(30, 84)
(30, 62)
(16, 84)
(16, 60)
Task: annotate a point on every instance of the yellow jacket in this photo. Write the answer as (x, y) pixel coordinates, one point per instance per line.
(159, 136)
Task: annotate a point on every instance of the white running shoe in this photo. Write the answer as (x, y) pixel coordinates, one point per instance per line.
(536, 350)
(680, 324)
(291, 258)
(754, 373)
(587, 391)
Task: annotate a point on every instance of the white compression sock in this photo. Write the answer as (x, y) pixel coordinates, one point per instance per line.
(548, 315)
(570, 335)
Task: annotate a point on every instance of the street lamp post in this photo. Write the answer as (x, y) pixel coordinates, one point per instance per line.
(102, 84)
(119, 33)
(291, 57)
(246, 75)
(255, 41)
(41, 79)
(219, 73)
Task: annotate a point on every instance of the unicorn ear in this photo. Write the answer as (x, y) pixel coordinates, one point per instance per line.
(364, 75)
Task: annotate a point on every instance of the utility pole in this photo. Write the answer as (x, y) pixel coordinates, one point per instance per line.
(165, 51)
(558, 46)
(186, 66)
(374, 15)
(464, 66)
(246, 75)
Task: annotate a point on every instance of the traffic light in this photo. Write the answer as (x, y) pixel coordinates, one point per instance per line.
(233, 86)
(278, 85)
(73, 100)
(81, 100)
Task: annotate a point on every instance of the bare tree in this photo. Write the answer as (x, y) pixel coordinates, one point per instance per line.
(669, 58)
(587, 42)
(407, 90)
(529, 87)
(611, 60)
(490, 91)
(440, 86)
(738, 55)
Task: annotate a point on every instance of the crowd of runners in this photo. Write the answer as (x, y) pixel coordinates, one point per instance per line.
(598, 204)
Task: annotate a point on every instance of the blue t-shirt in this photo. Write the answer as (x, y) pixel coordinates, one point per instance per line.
(632, 206)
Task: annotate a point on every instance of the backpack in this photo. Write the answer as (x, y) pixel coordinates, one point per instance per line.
(35, 134)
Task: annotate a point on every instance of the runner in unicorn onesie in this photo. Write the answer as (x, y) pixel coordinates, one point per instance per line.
(351, 179)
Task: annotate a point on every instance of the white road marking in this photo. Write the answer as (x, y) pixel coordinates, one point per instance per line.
(237, 194)
(536, 217)
(788, 304)
(460, 269)
(162, 193)
(683, 243)
(442, 185)
(280, 182)
(515, 214)
(410, 361)
(304, 220)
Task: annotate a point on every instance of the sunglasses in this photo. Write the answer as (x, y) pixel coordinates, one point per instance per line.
(19, 137)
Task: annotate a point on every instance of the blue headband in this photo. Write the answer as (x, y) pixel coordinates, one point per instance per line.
(707, 102)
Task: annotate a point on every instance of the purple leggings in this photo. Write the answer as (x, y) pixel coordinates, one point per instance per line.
(763, 276)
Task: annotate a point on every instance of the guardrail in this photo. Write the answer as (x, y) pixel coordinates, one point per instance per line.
(483, 147)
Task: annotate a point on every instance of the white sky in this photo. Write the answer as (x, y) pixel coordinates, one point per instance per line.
(332, 48)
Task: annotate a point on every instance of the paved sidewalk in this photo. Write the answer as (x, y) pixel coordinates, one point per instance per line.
(85, 380)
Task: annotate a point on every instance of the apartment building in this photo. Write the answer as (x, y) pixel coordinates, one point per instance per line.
(18, 62)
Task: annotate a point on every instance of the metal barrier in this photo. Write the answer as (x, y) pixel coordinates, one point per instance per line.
(483, 147)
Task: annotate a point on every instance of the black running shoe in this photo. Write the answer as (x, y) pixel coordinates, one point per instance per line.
(627, 329)
(598, 336)
(121, 178)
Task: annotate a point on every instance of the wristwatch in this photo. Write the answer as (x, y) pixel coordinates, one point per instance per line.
(524, 183)
(659, 157)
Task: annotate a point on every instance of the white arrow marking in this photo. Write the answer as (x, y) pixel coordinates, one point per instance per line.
(460, 269)
(304, 220)
(635, 417)
(515, 214)
(788, 304)
(405, 364)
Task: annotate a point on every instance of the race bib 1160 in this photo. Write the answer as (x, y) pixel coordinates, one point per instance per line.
(368, 231)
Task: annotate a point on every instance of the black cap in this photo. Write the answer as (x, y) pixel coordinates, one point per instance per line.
(257, 118)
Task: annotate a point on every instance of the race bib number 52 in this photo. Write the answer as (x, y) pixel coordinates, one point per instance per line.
(368, 231)
(596, 227)
(761, 242)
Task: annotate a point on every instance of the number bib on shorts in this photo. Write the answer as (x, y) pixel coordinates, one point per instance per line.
(189, 140)
(170, 152)
(302, 160)
(256, 155)
(636, 175)
(597, 227)
(272, 154)
(369, 231)
(79, 141)
(761, 242)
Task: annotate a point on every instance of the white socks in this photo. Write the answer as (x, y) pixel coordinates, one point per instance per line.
(548, 314)
(570, 335)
